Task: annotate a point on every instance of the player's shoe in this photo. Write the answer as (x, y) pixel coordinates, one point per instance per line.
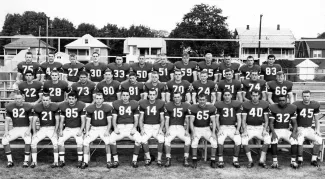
(61, 164)
(262, 164)
(115, 164)
(10, 164)
(314, 163)
(213, 164)
(236, 164)
(54, 165)
(186, 163)
(109, 165)
(84, 165)
(300, 163)
(275, 165)
(159, 163)
(168, 162)
(194, 165)
(250, 164)
(135, 164)
(221, 164)
(79, 164)
(33, 165)
(147, 162)
(294, 165)
(25, 164)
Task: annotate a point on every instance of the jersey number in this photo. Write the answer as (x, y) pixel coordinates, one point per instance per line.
(178, 89)
(142, 74)
(281, 91)
(71, 113)
(55, 91)
(202, 115)
(251, 86)
(99, 115)
(270, 71)
(96, 73)
(134, 90)
(228, 112)
(80, 89)
(230, 87)
(186, 71)
(30, 92)
(153, 110)
(27, 68)
(119, 73)
(46, 115)
(282, 117)
(73, 71)
(258, 112)
(163, 72)
(178, 112)
(206, 91)
(108, 90)
(122, 110)
(18, 113)
(307, 112)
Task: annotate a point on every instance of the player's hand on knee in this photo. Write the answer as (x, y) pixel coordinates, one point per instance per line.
(6, 134)
(160, 132)
(61, 133)
(143, 133)
(237, 132)
(244, 134)
(317, 133)
(79, 133)
(274, 137)
(117, 131)
(264, 133)
(187, 133)
(294, 135)
(133, 130)
(220, 133)
(54, 135)
(168, 133)
(214, 136)
(106, 134)
(87, 134)
(27, 133)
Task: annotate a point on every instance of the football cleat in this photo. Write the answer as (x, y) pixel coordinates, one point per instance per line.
(115, 164)
(236, 164)
(109, 165)
(25, 164)
(135, 164)
(213, 164)
(10, 164)
(263, 165)
(294, 165)
(54, 165)
(61, 164)
(314, 163)
(300, 163)
(84, 165)
(168, 162)
(275, 165)
(221, 164)
(250, 164)
(79, 164)
(194, 165)
(186, 163)
(159, 163)
(147, 162)
(33, 165)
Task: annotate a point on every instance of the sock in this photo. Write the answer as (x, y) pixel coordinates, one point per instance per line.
(275, 159)
(135, 158)
(115, 157)
(26, 156)
(108, 157)
(80, 156)
(148, 156)
(186, 155)
(61, 154)
(263, 157)
(293, 159)
(220, 158)
(86, 158)
(249, 156)
(9, 157)
(168, 156)
(159, 155)
(314, 158)
(235, 159)
(34, 157)
(56, 157)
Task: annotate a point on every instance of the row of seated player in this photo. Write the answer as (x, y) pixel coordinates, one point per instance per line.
(72, 118)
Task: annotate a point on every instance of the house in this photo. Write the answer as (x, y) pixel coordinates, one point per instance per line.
(307, 48)
(149, 47)
(303, 66)
(85, 46)
(276, 41)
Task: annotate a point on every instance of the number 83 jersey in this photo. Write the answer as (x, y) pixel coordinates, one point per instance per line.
(282, 116)
(277, 89)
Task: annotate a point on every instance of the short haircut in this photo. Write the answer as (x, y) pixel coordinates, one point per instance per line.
(152, 89)
(226, 90)
(228, 70)
(202, 95)
(270, 56)
(108, 70)
(255, 91)
(208, 54)
(204, 71)
(177, 92)
(279, 73)
(29, 72)
(99, 94)
(186, 55)
(95, 53)
(52, 53)
(46, 95)
(29, 53)
(118, 58)
(83, 73)
(254, 71)
(73, 94)
(282, 96)
(177, 70)
(250, 57)
(306, 91)
(132, 74)
(125, 91)
(72, 54)
(54, 71)
(154, 73)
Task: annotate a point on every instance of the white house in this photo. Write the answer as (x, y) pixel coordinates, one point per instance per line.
(307, 70)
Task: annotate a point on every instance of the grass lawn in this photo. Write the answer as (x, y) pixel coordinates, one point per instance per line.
(97, 167)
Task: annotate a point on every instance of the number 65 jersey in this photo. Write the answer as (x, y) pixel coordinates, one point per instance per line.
(282, 116)
(202, 114)
(305, 113)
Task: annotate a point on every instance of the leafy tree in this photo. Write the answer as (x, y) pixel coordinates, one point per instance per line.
(85, 28)
(140, 31)
(321, 36)
(62, 28)
(111, 30)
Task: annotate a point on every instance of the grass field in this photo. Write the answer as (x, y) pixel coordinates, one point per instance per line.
(97, 167)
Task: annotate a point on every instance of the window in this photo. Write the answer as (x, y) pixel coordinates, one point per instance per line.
(11, 52)
(317, 53)
(155, 51)
(72, 51)
(86, 41)
(97, 50)
(83, 52)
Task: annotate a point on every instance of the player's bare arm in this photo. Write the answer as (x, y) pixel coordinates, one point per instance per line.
(194, 97)
(109, 125)
(244, 124)
(214, 126)
(141, 118)
(88, 119)
(135, 125)
(274, 136)
(57, 123)
(162, 122)
(291, 98)
(294, 124)
(269, 97)
(61, 125)
(238, 123)
(239, 96)
(114, 124)
(167, 125)
(192, 118)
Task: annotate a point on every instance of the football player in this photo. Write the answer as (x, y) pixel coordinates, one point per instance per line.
(143, 69)
(71, 70)
(248, 85)
(109, 88)
(98, 124)
(84, 88)
(231, 84)
(204, 86)
(245, 70)
(280, 87)
(73, 119)
(134, 87)
(120, 69)
(210, 67)
(22, 67)
(49, 118)
(226, 64)
(201, 115)
(177, 125)
(155, 84)
(165, 70)
(269, 70)
(307, 111)
(187, 67)
(178, 85)
(254, 114)
(32, 90)
(125, 122)
(228, 120)
(57, 89)
(281, 115)
(96, 69)
(21, 115)
(48, 67)
(151, 123)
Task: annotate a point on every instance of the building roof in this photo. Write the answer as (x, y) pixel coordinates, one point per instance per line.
(282, 38)
(319, 62)
(23, 43)
(81, 43)
(307, 64)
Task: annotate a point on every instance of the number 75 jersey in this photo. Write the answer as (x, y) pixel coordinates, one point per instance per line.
(282, 116)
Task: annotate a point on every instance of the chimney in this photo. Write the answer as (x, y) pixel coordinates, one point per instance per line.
(247, 27)
(278, 27)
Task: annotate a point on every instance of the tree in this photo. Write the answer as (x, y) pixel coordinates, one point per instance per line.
(140, 31)
(111, 30)
(85, 28)
(62, 28)
(205, 22)
(321, 36)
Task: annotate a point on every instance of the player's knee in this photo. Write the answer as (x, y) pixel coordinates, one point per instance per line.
(244, 140)
(293, 141)
(161, 139)
(301, 140)
(214, 143)
(86, 143)
(221, 140)
(61, 142)
(5, 141)
(318, 140)
(267, 140)
(237, 140)
(168, 141)
(28, 140)
(187, 141)
(195, 143)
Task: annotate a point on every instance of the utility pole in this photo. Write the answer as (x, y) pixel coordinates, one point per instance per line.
(47, 35)
(259, 38)
(39, 43)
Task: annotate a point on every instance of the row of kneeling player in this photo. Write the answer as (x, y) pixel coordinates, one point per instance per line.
(189, 123)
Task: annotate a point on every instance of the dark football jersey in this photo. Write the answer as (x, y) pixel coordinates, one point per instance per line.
(46, 115)
(164, 71)
(151, 111)
(109, 90)
(182, 87)
(305, 113)
(31, 91)
(72, 114)
(227, 112)
(234, 87)
(22, 67)
(202, 114)
(245, 70)
(142, 72)
(282, 116)
(269, 72)
(135, 90)
(85, 91)
(19, 114)
(211, 69)
(119, 72)
(255, 112)
(233, 66)
(48, 67)
(73, 70)
(187, 70)
(207, 88)
(125, 112)
(98, 116)
(56, 91)
(96, 72)
(248, 85)
(277, 89)
(176, 113)
(159, 87)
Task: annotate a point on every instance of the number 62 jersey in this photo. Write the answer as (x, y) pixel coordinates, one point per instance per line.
(282, 116)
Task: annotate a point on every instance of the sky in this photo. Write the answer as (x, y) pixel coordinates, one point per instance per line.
(304, 18)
